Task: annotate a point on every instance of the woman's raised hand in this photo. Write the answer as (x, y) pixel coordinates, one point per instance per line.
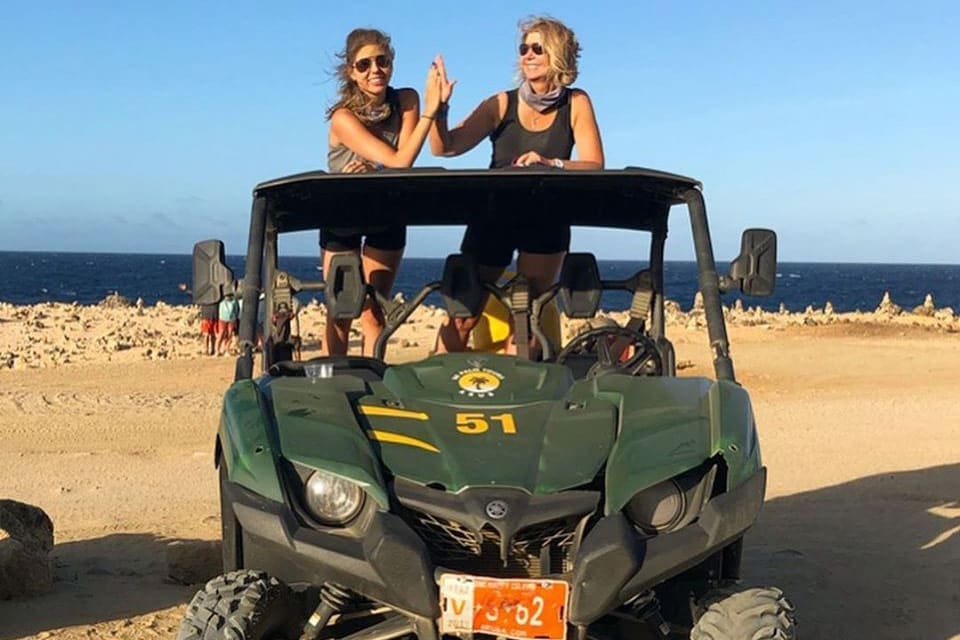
(446, 86)
(431, 92)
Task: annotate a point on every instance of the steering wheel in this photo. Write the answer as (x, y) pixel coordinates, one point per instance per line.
(645, 360)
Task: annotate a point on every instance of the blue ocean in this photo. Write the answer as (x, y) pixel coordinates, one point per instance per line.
(32, 277)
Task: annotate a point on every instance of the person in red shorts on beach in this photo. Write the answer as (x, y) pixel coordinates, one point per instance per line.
(227, 323)
(208, 328)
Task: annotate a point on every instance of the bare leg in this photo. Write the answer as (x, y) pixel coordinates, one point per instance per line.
(541, 271)
(210, 343)
(336, 333)
(454, 333)
(380, 270)
(223, 343)
(229, 341)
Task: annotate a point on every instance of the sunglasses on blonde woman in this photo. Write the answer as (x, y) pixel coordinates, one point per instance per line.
(363, 64)
(536, 47)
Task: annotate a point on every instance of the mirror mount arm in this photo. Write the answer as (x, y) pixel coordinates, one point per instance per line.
(299, 285)
(729, 283)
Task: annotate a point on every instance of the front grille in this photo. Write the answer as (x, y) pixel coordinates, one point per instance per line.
(456, 547)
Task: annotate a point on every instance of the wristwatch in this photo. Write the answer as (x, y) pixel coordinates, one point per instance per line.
(558, 163)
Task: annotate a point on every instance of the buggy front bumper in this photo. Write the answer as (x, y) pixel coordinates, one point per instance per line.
(614, 564)
(390, 563)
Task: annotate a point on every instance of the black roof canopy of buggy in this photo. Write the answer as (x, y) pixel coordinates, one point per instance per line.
(629, 198)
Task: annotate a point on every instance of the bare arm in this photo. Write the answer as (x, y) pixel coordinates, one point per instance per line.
(465, 136)
(410, 104)
(586, 134)
(414, 128)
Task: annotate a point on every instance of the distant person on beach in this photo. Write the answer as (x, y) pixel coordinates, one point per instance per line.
(209, 321)
(227, 323)
(372, 126)
(538, 123)
(208, 328)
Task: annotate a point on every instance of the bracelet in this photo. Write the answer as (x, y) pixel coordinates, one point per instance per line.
(428, 117)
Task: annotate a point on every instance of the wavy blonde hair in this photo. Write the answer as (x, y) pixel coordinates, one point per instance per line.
(560, 43)
(350, 95)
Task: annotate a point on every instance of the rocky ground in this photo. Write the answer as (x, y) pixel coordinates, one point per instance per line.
(118, 330)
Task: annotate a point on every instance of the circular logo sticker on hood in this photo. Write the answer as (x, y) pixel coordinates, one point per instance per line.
(497, 509)
(478, 382)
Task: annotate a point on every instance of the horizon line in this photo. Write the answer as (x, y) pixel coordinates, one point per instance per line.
(317, 257)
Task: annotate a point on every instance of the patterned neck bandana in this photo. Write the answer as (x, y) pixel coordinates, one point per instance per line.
(372, 114)
(541, 101)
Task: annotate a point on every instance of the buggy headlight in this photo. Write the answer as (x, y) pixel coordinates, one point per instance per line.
(674, 503)
(331, 499)
(658, 508)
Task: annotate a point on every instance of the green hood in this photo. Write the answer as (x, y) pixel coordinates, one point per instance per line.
(460, 421)
(450, 423)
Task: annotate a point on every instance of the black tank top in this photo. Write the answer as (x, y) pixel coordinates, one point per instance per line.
(511, 139)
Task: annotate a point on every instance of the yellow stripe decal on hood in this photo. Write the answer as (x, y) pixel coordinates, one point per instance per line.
(388, 412)
(399, 438)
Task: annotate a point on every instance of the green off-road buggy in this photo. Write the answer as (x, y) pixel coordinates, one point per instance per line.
(586, 492)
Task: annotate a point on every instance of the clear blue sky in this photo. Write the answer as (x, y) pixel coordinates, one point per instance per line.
(142, 127)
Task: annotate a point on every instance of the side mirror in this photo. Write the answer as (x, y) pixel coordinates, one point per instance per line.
(754, 271)
(345, 290)
(212, 278)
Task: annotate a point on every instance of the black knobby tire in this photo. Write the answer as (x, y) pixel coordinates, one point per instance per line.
(243, 605)
(761, 613)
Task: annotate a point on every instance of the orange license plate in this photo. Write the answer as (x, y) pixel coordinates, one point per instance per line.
(520, 609)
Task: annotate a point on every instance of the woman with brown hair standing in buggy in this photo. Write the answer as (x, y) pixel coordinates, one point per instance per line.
(372, 126)
(538, 123)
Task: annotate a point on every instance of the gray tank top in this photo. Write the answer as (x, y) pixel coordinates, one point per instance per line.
(338, 156)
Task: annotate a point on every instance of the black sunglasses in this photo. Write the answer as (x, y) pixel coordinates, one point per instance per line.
(363, 64)
(536, 46)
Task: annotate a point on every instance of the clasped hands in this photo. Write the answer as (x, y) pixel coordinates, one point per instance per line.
(531, 158)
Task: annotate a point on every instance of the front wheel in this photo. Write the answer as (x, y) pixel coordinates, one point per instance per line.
(751, 614)
(243, 605)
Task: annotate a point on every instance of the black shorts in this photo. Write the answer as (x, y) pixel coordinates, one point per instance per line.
(493, 245)
(392, 238)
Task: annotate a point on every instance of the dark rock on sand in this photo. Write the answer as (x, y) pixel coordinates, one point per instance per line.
(26, 539)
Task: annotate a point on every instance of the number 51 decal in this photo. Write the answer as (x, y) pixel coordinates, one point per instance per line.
(476, 423)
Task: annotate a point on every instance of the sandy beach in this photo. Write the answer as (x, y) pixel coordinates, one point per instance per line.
(108, 416)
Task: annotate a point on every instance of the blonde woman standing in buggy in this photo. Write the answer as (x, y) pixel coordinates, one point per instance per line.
(538, 123)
